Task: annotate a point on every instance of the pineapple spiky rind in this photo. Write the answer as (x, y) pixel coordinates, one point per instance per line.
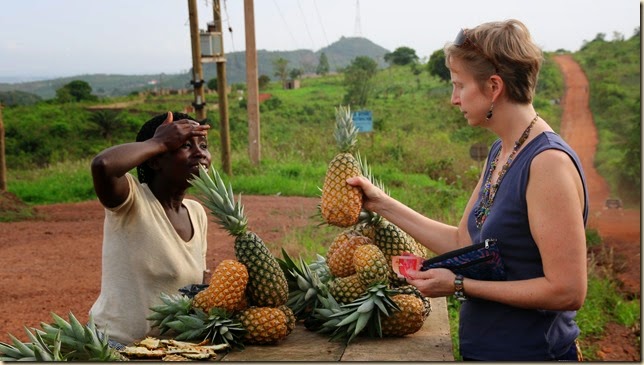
(217, 326)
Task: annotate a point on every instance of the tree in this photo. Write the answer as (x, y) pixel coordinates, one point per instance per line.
(436, 66)
(323, 66)
(280, 66)
(212, 84)
(357, 80)
(263, 81)
(295, 73)
(401, 56)
(75, 91)
(109, 123)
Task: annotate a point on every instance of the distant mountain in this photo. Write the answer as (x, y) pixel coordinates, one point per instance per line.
(339, 54)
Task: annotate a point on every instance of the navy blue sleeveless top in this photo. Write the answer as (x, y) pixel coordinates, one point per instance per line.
(494, 331)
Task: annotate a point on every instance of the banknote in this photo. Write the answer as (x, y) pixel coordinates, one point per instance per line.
(401, 264)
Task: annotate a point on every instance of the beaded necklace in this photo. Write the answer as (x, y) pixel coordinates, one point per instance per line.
(489, 190)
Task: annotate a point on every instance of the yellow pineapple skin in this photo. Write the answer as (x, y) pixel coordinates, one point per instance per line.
(409, 320)
(340, 261)
(264, 325)
(347, 289)
(370, 264)
(226, 290)
(341, 203)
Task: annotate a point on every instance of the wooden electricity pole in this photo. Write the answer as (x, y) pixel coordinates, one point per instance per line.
(254, 146)
(3, 165)
(222, 92)
(197, 72)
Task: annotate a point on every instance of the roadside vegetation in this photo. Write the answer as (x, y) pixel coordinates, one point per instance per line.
(419, 148)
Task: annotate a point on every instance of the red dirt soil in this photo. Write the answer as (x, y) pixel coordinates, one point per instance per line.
(52, 263)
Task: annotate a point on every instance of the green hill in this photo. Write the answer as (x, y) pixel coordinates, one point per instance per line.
(339, 54)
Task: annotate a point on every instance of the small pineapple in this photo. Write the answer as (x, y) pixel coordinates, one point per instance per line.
(340, 260)
(347, 289)
(371, 265)
(226, 290)
(408, 320)
(267, 285)
(341, 203)
(264, 325)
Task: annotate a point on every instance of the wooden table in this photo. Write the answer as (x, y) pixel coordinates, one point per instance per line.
(432, 343)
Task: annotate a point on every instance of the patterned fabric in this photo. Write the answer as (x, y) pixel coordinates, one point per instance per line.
(480, 261)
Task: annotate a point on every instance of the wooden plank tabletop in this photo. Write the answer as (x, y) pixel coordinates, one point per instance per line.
(432, 343)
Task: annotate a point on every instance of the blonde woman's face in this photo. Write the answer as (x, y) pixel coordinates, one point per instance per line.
(466, 93)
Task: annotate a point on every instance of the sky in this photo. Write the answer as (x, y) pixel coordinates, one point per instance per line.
(42, 39)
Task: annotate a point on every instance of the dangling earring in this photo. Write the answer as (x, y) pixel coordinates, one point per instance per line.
(488, 116)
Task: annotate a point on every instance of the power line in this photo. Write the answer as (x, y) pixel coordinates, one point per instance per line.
(285, 24)
(306, 25)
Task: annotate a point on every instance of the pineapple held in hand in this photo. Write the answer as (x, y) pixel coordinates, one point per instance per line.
(226, 290)
(341, 202)
(267, 285)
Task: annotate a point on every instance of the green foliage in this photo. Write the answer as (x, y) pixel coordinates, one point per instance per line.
(357, 79)
(615, 101)
(402, 56)
(75, 91)
(263, 81)
(436, 66)
(323, 65)
(17, 97)
(280, 66)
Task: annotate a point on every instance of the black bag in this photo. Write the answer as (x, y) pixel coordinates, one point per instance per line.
(480, 261)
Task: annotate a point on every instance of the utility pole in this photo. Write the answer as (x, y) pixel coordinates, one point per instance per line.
(254, 147)
(222, 92)
(3, 165)
(197, 72)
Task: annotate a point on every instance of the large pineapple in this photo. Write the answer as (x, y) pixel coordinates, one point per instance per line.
(267, 285)
(341, 203)
(61, 340)
(226, 290)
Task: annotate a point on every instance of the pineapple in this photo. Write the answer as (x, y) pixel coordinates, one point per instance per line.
(371, 265)
(226, 290)
(410, 289)
(264, 325)
(341, 203)
(347, 289)
(173, 306)
(408, 320)
(62, 340)
(267, 285)
(290, 318)
(340, 260)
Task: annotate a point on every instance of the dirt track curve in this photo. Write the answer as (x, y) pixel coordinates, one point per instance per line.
(53, 264)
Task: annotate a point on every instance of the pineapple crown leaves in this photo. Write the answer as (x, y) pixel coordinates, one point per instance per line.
(305, 287)
(173, 305)
(363, 314)
(61, 340)
(346, 133)
(220, 200)
(218, 326)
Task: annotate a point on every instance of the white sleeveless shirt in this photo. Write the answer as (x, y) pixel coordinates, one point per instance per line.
(143, 256)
